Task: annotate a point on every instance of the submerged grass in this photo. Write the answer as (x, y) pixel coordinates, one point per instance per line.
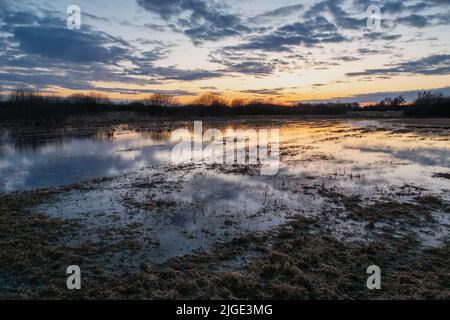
(296, 261)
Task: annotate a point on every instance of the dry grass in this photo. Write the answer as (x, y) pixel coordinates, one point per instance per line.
(296, 261)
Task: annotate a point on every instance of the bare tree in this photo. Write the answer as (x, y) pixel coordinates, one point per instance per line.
(428, 97)
(237, 103)
(90, 98)
(399, 101)
(211, 100)
(387, 102)
(25, 96)
(159, 100)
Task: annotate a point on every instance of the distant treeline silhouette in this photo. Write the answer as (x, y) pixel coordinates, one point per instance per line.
(427, 104)
(26, 104)
(31, 105)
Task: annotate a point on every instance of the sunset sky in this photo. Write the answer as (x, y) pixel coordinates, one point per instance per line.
(280, 50)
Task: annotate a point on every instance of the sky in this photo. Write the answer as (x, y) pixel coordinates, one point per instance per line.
(282, 51)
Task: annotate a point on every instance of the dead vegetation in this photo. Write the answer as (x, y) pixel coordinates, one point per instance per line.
(442, 175)
(296, 261)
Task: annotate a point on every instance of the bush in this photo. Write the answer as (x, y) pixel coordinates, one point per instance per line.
(429, 104)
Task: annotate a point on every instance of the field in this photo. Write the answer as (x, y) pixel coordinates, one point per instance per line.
(103, 195)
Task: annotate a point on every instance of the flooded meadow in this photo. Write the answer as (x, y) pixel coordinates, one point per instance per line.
(348, 194)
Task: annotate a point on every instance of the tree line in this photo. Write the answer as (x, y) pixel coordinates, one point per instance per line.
(427, 104)
(33, 105)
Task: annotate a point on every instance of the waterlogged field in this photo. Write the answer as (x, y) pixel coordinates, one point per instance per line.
(347, 194)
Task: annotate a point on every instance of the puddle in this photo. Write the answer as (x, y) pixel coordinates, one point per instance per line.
(194, 210)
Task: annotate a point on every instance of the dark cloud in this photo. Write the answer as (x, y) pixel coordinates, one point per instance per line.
(209, 88)
(369, 51)
(252, 67)
(40, 52)
(414, 20)
(121, 90)
(95, 17)
(155, 27)
(198, 19)
(49, 38)
(187, 75)
(314, 31)
(432, 65)
(346, 58)
(341, 18)
(282, 12)
(19, 18)
(240, 61)
(409, 12)
(61, 43)
(269, 92)
(391, 7)
(385, 36)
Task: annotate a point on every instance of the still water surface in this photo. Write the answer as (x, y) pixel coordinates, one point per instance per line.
(172, 210)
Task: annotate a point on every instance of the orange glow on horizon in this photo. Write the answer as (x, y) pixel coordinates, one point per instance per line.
(332, 92)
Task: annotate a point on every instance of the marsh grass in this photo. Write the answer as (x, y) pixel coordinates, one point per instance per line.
(298, 260)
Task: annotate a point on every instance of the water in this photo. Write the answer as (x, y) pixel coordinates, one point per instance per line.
(172, 210)
(59, 162)
(339, 148)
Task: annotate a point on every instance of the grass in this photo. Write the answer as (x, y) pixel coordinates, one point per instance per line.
(442, 175)
(299, 260)
(429, 199)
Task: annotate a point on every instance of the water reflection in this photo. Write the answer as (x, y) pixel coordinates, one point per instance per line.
(39, 160)
(49, 159)
(49, 163)
(190, 210)
(174, 210)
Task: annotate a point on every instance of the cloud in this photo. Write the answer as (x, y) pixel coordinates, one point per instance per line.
(432, 65)
(341, 18)
(414, 20)
(369, 51)
(41, 52)
(122, 90)
(248, 63)
(381, 36)
(317, 30)
(198, 19)
(391, 6)
(187, 75)
(37, 49)
(409, 12)
(61, 43)
(282, 12)
(346, 58)
(48, 37)
(271, 92)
